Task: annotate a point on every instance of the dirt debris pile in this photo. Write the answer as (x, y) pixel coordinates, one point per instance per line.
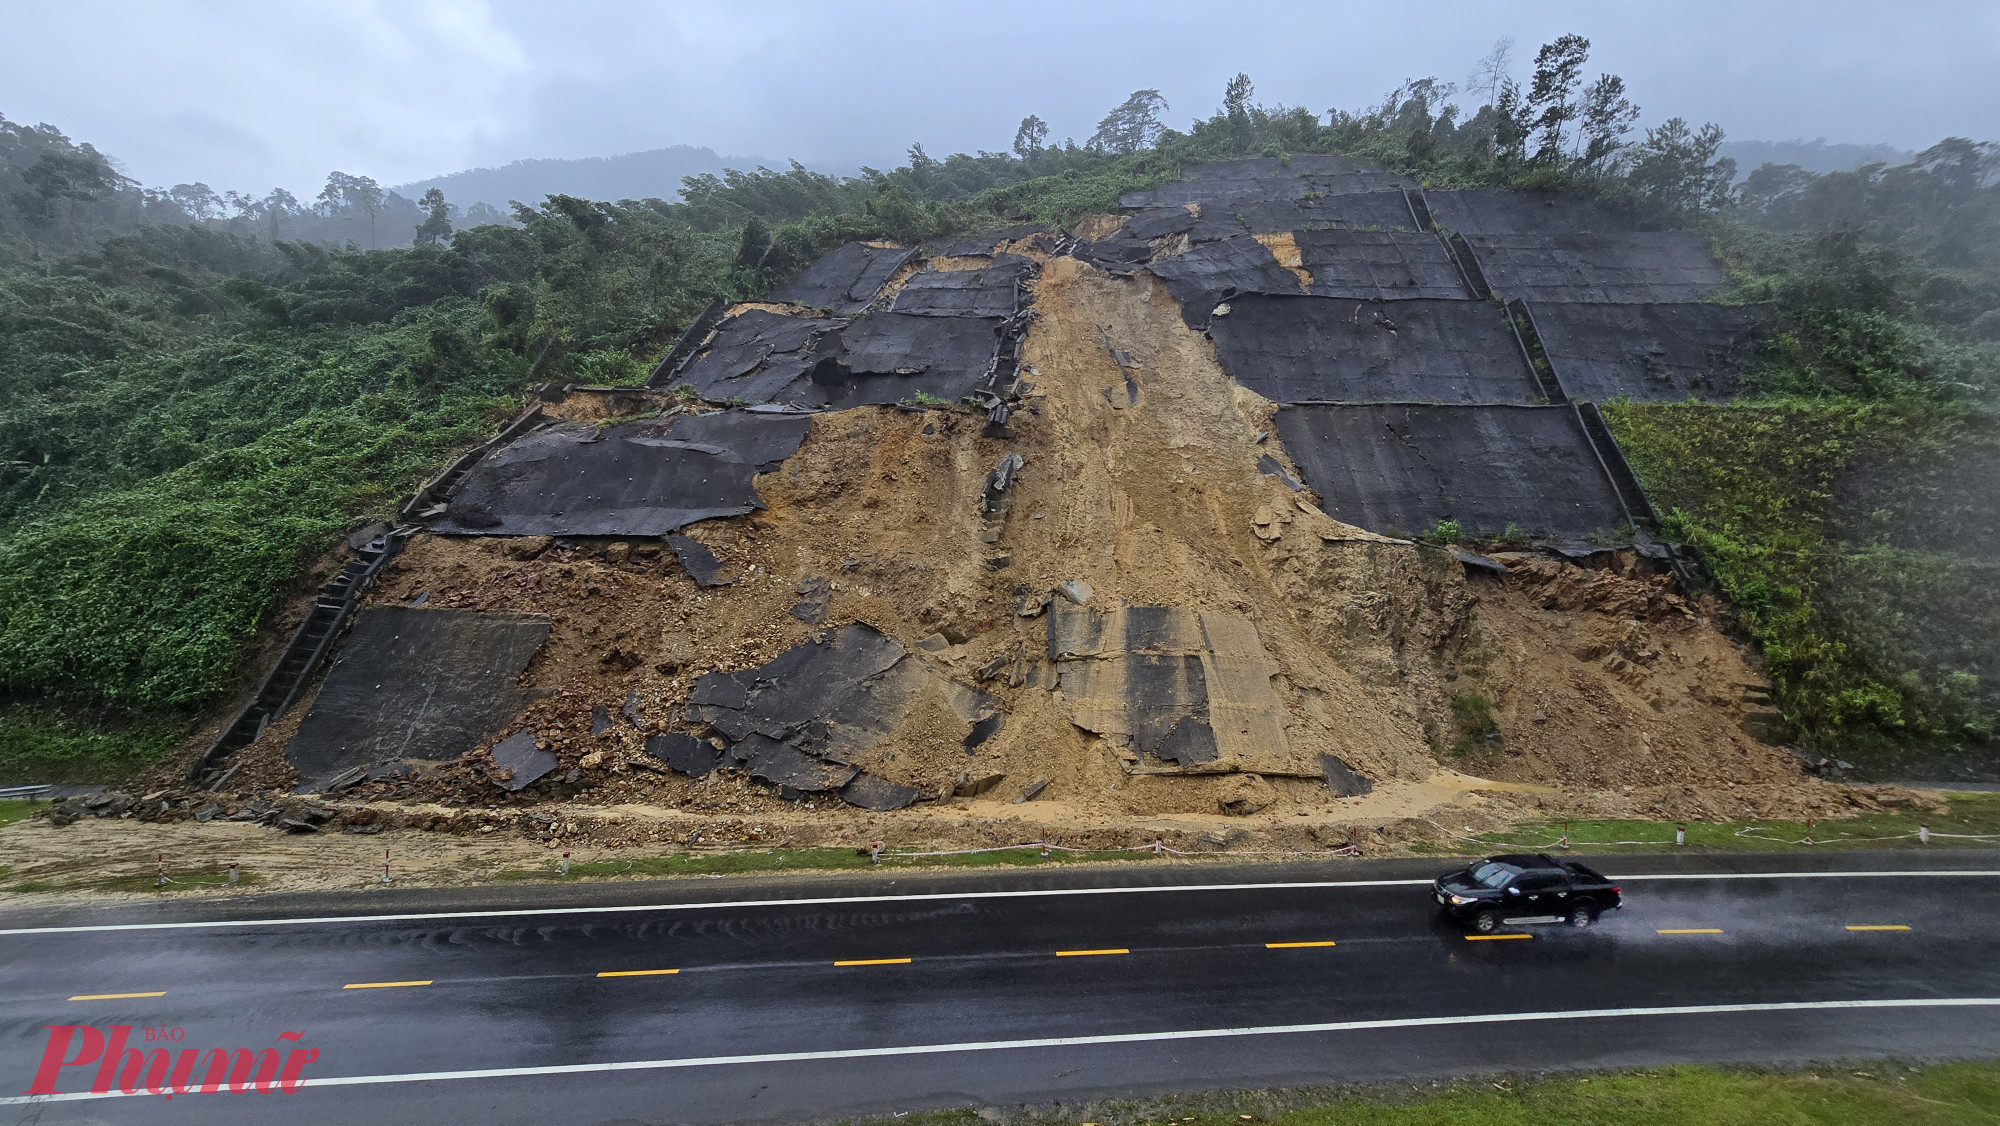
(1074, 560)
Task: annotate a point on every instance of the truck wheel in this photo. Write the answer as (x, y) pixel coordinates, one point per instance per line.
(1581, 918)
(1486, 922)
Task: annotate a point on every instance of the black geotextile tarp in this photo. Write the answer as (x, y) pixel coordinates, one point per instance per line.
(1390, 265)
(987, 292)
(1401, 468)
(1651, 352)
(1265, 178)
(983, 244)
(1218, 271)
(1629, 266)
(757, 356)
(845, 280)
(1501, 211)
(1292, 349)
(415, 684)
(1371, 265)
(1212, 222)
(643, 478)
(906, 353)
(797, 721)
(1371, 210)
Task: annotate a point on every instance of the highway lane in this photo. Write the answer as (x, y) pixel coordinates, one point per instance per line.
(988, 967)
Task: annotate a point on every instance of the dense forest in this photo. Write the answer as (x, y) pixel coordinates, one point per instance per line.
(198, 396)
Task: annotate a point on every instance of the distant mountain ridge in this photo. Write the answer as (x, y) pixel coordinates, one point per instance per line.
(653, 174)
(1813, 156)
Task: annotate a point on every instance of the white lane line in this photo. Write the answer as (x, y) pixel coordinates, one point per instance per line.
(926, 897)
(1087, 1041)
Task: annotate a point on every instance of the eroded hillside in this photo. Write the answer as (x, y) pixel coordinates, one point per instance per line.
(1002, 539)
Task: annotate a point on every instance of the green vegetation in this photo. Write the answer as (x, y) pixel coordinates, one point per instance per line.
(1841, 506)
(1873, 1093)
(1973, 822)
(12, 811)
(1472, 719)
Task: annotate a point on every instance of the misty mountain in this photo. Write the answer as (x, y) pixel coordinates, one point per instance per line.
(1813, 156)
(655, 173)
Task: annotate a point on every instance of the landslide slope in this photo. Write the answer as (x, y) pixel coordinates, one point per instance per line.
(1147, 623)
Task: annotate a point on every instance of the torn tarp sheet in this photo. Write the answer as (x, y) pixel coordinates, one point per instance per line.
(1501, 211)
(1383, 265)
(1632, 266)
(799, 719)
(1401, 469)
(1138, 237)
(685, 753)
(1294, 349)
(415, 684)
(985, 243)
(1370, 265)
(1651, 352)
(758, 356)
(888, 357)
(989, 292)
(699, 562)
(845, 280)
(1180, 685)
(1266, 178)
(519, 762)
(644, 478)
(878, 794)
(1208, 275)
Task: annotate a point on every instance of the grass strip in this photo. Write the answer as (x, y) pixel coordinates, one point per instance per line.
(1873, 1093)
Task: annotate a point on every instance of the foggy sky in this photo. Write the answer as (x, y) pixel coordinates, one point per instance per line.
(252, 96)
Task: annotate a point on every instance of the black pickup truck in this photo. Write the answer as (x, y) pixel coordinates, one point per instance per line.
(1511, 890)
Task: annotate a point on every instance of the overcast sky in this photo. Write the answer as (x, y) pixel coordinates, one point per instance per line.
(249, 96)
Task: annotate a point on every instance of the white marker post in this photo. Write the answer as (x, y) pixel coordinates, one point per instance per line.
(385, 867)
(1680, 834)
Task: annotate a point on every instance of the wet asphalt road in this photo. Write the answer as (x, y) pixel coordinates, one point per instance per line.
(971, 963)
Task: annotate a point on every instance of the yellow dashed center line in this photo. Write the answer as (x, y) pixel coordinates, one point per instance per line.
(635, 973)
(1694, 930)
(1879, 928)
(874, 962)
(1293, 945)
(1088, 953)
(1494, 937)
(384, 984)
(114, 996)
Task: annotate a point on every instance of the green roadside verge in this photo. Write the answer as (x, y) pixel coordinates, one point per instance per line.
(1973, 821)
(1873, 1093)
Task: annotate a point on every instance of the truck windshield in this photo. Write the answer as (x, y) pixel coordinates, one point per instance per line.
(1488, 874)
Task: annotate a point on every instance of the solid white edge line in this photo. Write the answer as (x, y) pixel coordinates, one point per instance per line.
(823, 901)
(1081, 1041)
